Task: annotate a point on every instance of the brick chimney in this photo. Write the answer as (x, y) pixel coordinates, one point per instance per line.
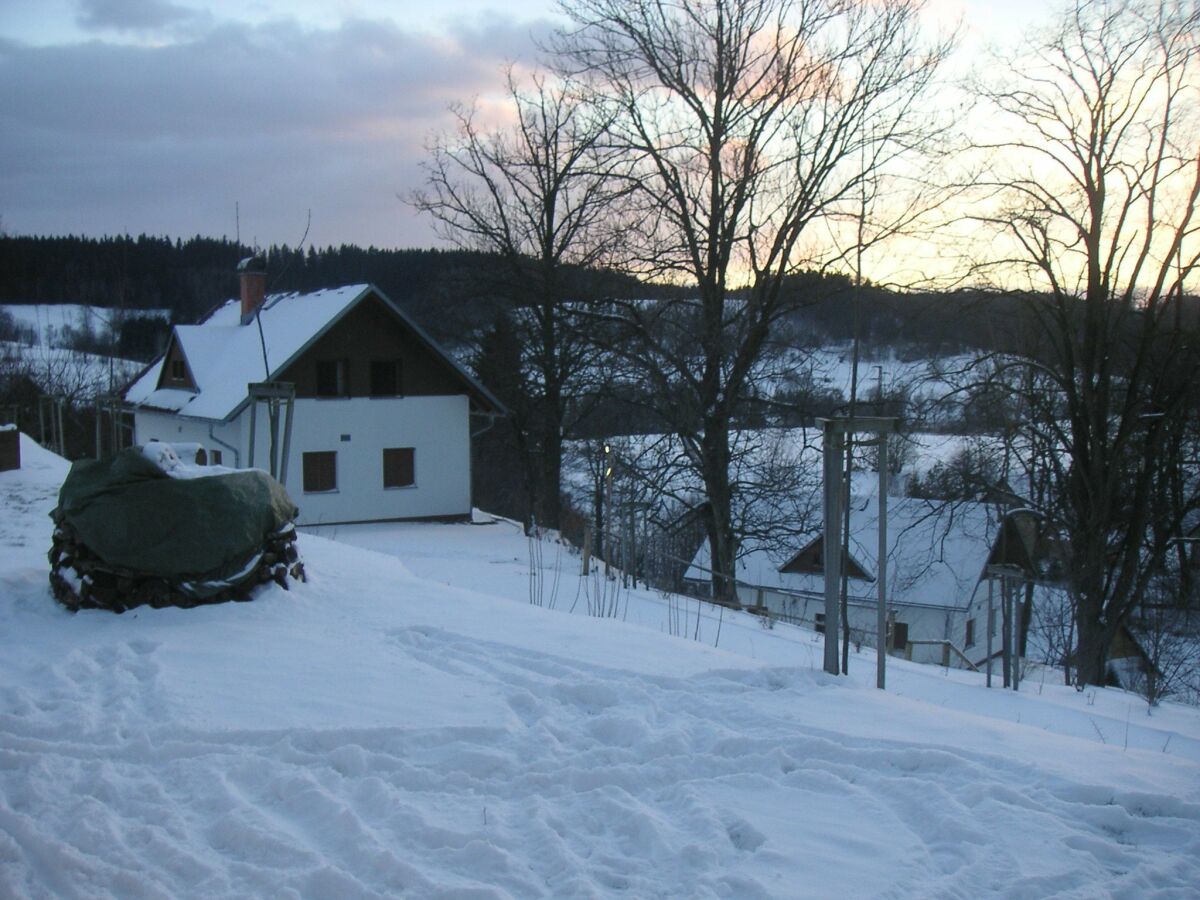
(252, 272)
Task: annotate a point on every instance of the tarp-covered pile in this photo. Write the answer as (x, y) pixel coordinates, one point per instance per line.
(143, 528)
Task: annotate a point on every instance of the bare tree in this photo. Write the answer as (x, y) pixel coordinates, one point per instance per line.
(749, 123)
(1092, 203)
(535, 192)
(1167, 629)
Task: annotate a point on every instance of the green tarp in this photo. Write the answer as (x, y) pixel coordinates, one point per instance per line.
(142, 522)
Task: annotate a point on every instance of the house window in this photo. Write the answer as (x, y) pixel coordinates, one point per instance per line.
(177, 371)
(333, 378)
(320, 471)
(819, 623)
(899, 635)
(399, 467)
(970, 642)
(386, 379)
(215, 456)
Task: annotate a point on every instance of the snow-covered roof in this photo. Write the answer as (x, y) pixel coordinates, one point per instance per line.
(224, 356)
(936, 554)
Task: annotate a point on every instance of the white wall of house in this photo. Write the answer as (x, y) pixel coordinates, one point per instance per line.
(1049, 634)
(925, 623)
(173, 429)
(357, 430)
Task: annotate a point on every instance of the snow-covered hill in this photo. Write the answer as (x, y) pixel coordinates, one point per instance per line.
(67, 373)
(50, 324)
(409, 724)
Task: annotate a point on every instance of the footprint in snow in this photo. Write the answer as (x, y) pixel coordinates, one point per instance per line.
(744, 836)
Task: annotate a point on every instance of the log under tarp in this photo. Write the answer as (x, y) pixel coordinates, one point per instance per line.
(142, 527)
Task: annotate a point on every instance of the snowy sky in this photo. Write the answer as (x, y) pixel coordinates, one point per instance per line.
(158, 116)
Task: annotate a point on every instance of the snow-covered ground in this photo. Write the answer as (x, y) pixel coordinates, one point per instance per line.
(409, 724)
(663, 468)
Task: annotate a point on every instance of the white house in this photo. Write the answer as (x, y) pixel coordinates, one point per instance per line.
(937, 555)
(382, 418)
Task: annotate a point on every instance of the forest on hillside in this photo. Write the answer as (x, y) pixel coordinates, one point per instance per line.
(455, 294)
(190, 277)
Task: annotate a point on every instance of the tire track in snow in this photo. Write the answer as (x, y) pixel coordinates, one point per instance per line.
(954, 803)
(604, 783)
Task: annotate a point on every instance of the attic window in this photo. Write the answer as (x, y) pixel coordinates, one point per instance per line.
(177, 371)
(386, 380)
(333, 378)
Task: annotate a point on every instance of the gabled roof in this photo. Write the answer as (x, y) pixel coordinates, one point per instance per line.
(937, 552)
(810, 560)
(1026, 548)
(224, 355)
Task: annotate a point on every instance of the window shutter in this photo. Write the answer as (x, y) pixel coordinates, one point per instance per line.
(320, 471)
(399, 467)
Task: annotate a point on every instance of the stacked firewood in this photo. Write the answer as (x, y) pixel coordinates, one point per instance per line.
(81, 580)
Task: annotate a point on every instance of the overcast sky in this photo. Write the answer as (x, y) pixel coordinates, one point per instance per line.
(158, 116)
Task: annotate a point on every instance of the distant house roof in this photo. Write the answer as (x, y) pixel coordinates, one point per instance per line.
(937, 552)
(810, 560)
(223, 356)
(1025, 548)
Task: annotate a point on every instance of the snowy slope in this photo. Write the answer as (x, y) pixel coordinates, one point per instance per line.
(408, 724)
(49, 322)
(68, 373)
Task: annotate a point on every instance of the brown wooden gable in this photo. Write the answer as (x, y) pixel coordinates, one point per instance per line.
(811, 561)
(371, 332)
(175, 361)
(1024, 546)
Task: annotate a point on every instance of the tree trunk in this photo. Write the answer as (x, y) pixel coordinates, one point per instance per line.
(1091, 657)
(550, 473)
(723, 549)
(550, 413)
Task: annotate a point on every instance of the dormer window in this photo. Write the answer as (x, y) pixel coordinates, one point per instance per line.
(333, 378)
(174, 373)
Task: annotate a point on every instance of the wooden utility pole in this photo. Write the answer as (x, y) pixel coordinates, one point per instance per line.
(832, 447)
(834, 432)
(1016, 638)
(991, 618)
(881, 567)
(274, 394)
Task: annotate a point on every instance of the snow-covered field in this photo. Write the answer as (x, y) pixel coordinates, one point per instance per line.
(50, 322)
(409, 724)
(831, 367)
(68, 373)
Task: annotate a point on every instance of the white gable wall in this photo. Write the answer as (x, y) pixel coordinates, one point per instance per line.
(437, 427)
(173, 429)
